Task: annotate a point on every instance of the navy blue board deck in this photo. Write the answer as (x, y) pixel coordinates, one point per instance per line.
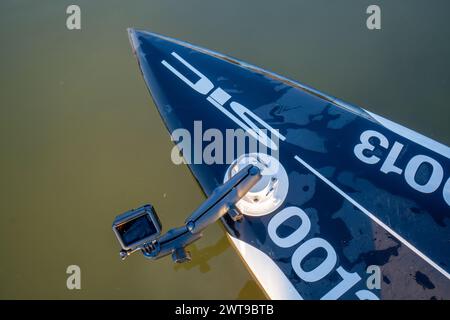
(374, 192)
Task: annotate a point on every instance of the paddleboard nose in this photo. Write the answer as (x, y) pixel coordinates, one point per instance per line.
(322, 143)
(131, 36)
(176, 85)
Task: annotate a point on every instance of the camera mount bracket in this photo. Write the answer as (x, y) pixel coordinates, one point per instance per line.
(221, 202)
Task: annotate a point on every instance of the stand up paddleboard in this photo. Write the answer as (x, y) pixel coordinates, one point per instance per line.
(351, 205)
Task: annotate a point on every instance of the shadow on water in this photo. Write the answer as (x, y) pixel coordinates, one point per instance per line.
(203, 256)
(250, 290)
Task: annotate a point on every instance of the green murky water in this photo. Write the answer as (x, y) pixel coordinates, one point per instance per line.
(81, 141)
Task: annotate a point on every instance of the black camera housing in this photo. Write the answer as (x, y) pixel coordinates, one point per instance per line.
(137, 227)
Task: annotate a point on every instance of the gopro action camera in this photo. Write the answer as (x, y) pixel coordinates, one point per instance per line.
(136, 228)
